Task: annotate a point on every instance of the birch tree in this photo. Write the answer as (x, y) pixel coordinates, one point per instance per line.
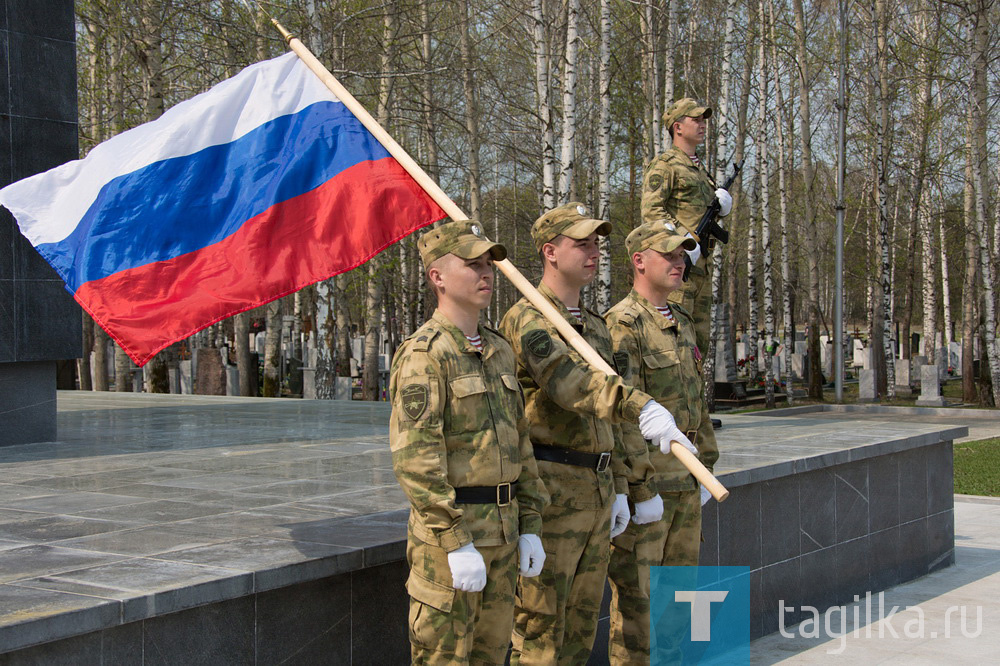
(604, 158)
(568, 155)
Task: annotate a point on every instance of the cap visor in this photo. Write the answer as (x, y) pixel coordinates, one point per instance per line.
(671, 243)
(584, 228)
(480, 247)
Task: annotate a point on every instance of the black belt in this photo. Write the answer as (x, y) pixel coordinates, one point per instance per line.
(499, 495)
(595, 461)
(692, 435)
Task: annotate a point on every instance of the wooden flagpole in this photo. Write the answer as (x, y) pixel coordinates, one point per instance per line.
(570, 334)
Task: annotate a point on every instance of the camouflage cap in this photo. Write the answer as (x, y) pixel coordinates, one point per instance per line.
(684, 107)
(659, 236)
(570, 220)
(462, 238)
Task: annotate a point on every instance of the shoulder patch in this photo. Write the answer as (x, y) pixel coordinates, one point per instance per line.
(414, 398)
(621, 363)
(538, 342)
(654, 183)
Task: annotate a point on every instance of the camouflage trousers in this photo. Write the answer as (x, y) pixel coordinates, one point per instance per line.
(695, 296)
(675, 540)
(448, 626)
(555, 615)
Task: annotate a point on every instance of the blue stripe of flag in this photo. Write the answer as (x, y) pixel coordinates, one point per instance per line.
(183, 204)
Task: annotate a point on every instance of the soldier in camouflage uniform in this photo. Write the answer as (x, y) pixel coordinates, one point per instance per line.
(678, 189)
(571, 408)
(654, 342)
(461, 452)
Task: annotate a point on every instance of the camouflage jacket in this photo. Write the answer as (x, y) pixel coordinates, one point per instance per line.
(572, 405)
(675, 190)
(661, 358)
(458, 421)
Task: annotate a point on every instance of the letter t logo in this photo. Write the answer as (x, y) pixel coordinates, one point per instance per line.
(701, 610)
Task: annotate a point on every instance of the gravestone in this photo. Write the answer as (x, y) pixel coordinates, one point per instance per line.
(232, 380)
(955, 356)
(40, 323)
(174, 377)
(903, 388)
(800, 367)
(801, 348)
(930, 387)
(308, 383)
(210, 373)
(186, 376)
(858, 360)
(866, 386)
(941, 354)
(342, 388)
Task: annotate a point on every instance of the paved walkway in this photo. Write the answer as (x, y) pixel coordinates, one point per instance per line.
(929, 626)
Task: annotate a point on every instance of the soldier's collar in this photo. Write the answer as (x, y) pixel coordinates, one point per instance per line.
(457, 335)
(687, 159)
(662, 321)
(561, 307)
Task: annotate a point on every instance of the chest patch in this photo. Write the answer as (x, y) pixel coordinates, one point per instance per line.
(414, 400)
(621, 363)
(538, 343)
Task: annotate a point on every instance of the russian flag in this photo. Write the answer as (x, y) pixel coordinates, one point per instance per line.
(252, 190)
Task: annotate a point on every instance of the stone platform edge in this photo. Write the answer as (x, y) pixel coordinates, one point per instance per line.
(354, 550)
(97, 612)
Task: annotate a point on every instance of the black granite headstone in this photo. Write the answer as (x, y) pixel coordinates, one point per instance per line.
(39, 321)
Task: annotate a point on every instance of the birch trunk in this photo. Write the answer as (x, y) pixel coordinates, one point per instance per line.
(427, 88)
(568, 157)
(244, 362)
(765, 212)
(100, 359)
(650, 78)
(979, 39)
(882, 26)
(542, 92)
(669, 65)
(272, 350)
(722, 149)
(809, 231)
(788, 341)
(604, 158)
(969, 319)
(471, 111)
(325, 340)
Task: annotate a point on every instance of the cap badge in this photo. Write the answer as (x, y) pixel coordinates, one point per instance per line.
(476, 230)
(581, 210)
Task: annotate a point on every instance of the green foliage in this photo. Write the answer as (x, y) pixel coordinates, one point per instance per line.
(977, 468)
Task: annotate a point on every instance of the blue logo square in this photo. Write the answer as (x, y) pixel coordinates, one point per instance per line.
(698, 614)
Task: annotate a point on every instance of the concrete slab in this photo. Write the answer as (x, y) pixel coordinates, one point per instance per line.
(932, 605)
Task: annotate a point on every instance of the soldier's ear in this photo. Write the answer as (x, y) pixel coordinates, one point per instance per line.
(434, 277)
(638, 262)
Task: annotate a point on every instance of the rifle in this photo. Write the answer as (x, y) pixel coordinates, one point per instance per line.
(708, 227)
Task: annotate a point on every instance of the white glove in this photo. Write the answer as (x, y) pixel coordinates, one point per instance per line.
(619, 515)
(529, 546)
(705, 496)
(725, 202)
(657, 425)
(648, 511)
(694, 254)
(468, 570)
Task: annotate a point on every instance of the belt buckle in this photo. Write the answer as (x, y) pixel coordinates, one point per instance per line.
(692, 435)
(500, 501)
(603, 461)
